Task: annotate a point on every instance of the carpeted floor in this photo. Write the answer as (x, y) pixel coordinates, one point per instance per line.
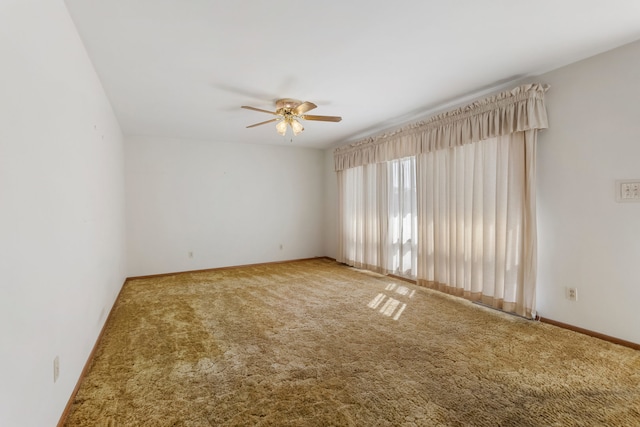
(314, 343)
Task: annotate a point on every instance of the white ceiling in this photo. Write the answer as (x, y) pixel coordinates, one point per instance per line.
(183, 68)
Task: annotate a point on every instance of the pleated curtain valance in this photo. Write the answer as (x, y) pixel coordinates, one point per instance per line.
(511, 111)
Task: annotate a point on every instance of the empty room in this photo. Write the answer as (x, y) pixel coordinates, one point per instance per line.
(413, 213)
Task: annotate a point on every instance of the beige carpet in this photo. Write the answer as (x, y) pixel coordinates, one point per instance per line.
(319, 344)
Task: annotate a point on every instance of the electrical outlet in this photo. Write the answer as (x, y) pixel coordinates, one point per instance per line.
(56, 368)
(572, 294)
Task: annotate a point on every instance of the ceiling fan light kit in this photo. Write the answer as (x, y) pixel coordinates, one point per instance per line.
(290, 112)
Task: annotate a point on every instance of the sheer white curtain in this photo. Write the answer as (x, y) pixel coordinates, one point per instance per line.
(378, 217)
(477, 221)
(362, 216)
(450, 201)
(402, 228)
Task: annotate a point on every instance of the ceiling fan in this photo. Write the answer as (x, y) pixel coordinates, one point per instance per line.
(289, 112)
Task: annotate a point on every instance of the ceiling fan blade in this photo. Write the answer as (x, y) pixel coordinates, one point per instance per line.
(322, 118)
(258, 109)
(304, 107)
(262, 123)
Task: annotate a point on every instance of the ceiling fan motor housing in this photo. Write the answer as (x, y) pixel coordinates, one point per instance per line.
(286, 104)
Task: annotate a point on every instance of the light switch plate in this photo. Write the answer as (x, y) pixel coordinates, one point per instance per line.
(628, 190)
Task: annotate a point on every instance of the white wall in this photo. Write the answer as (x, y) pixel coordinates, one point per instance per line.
(229, 204)
(586, 239)
(62, 227)
(330, 206)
